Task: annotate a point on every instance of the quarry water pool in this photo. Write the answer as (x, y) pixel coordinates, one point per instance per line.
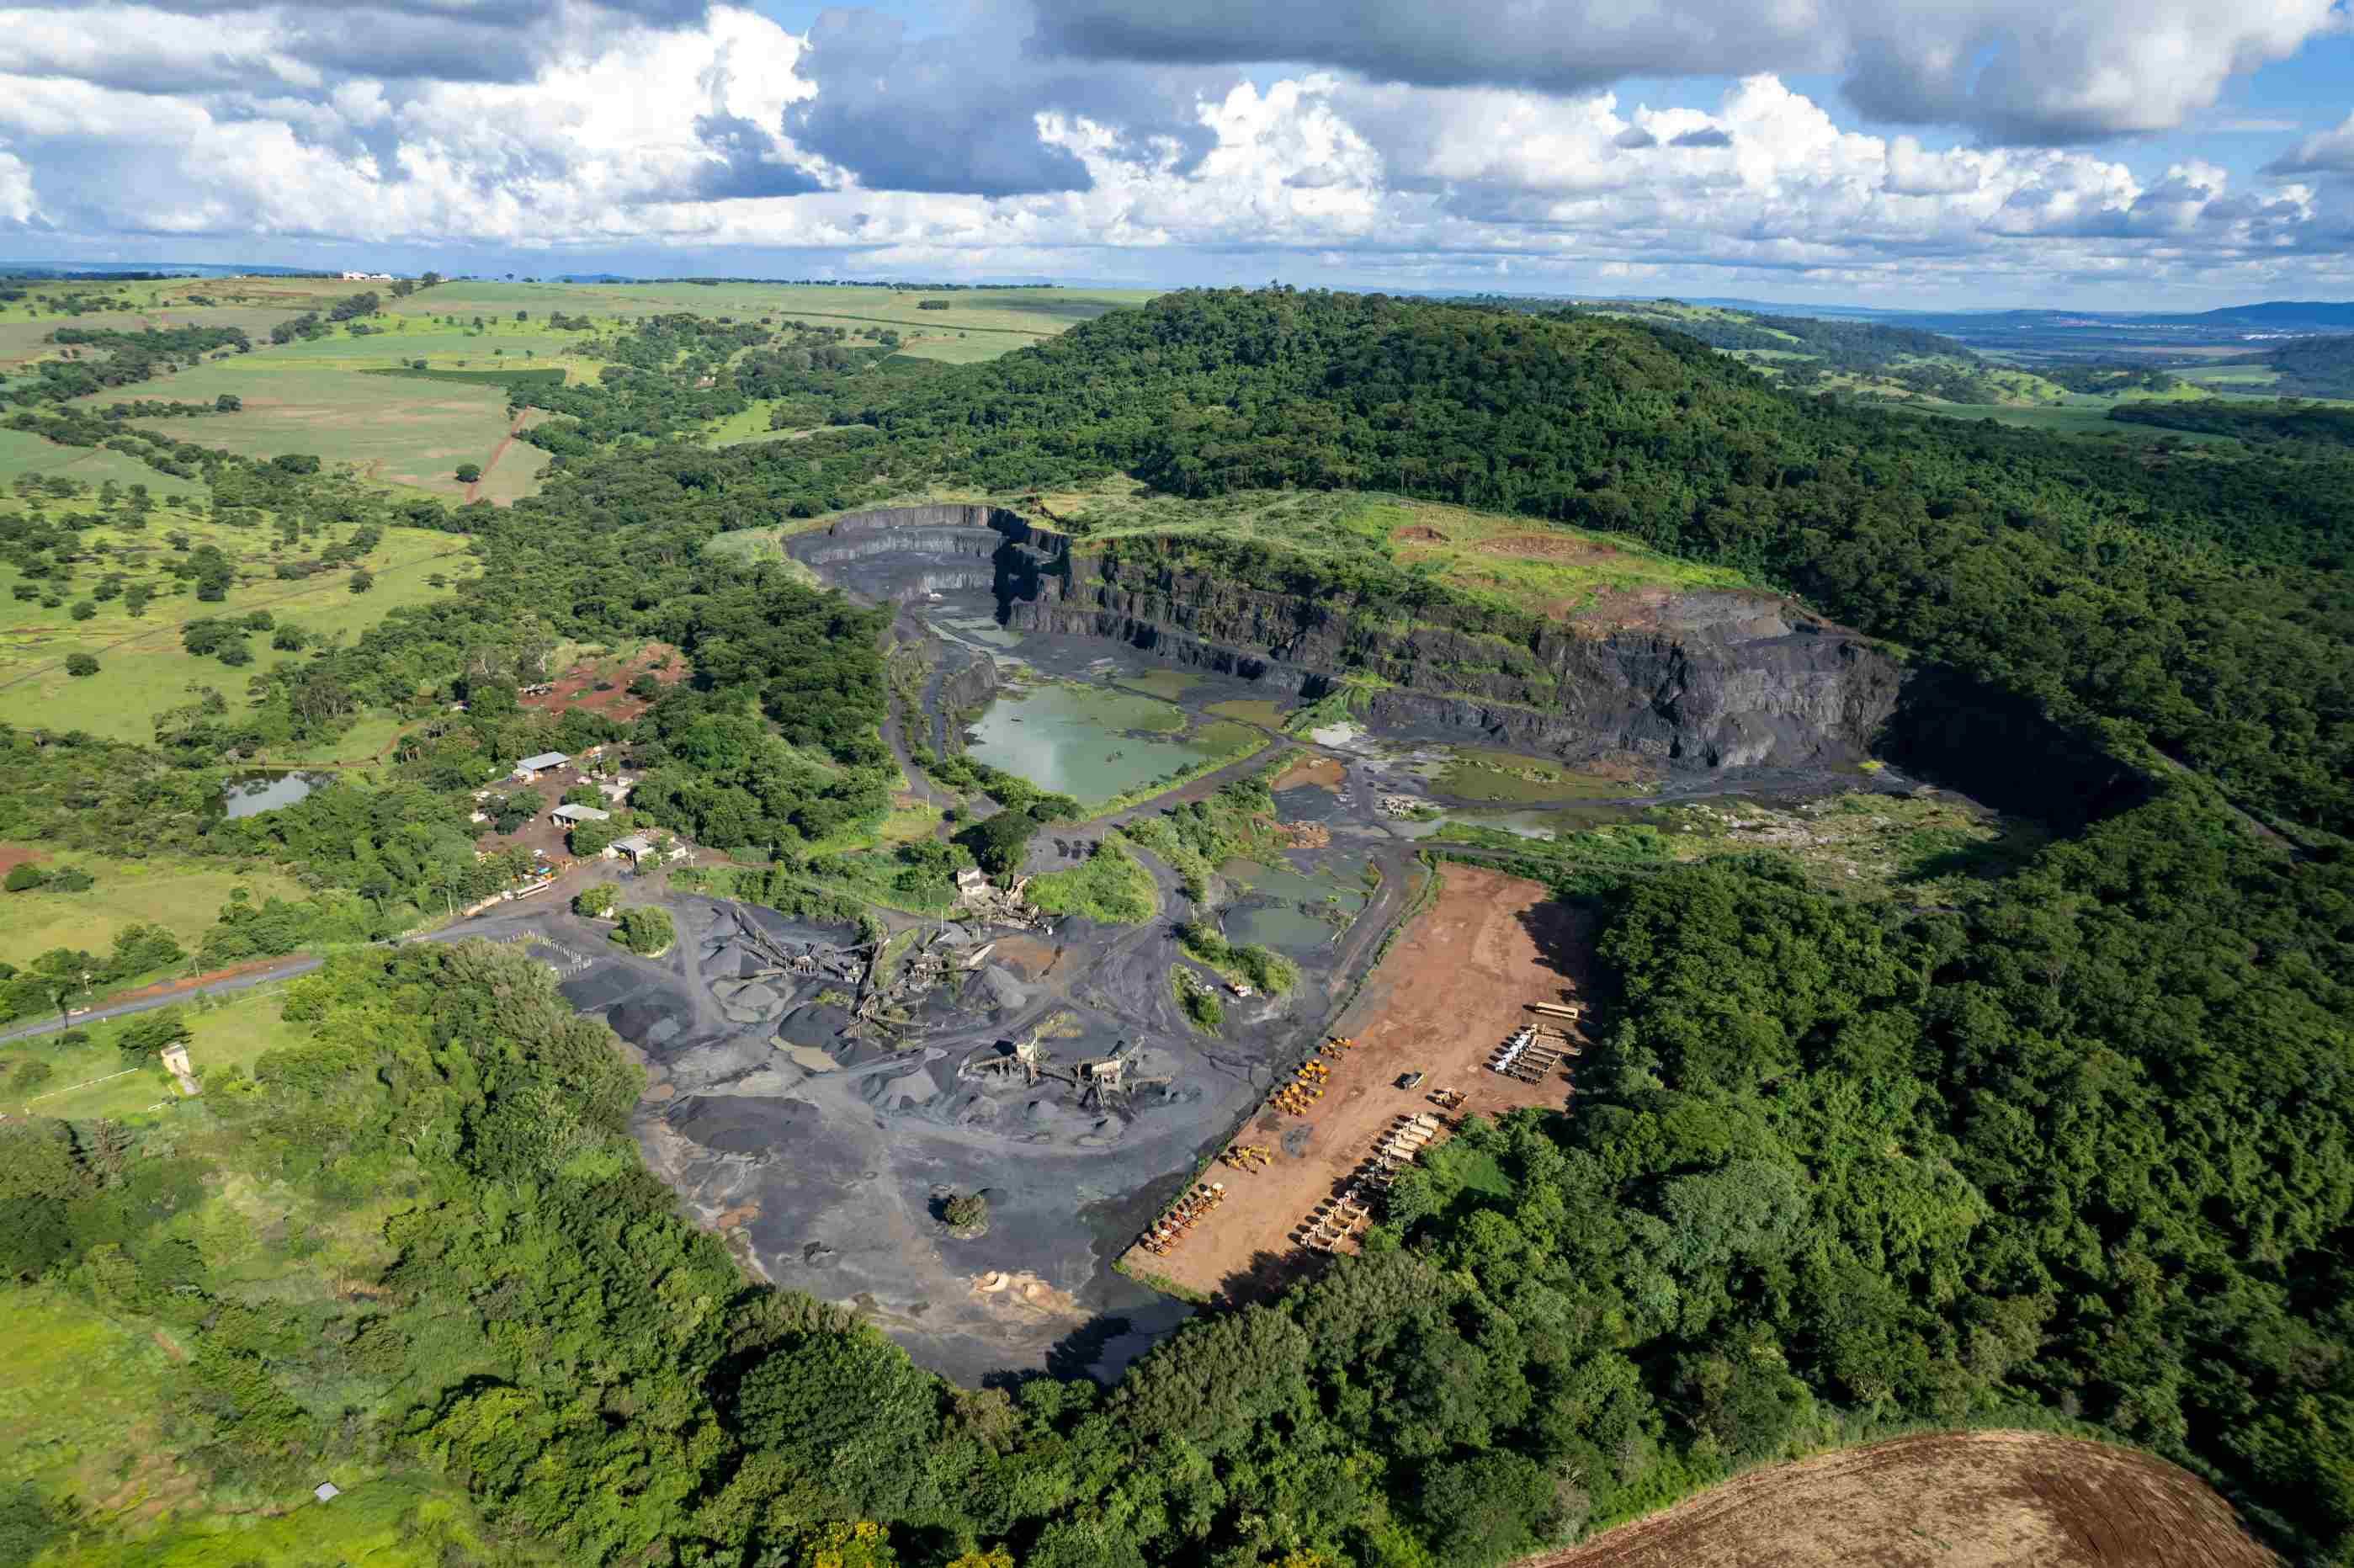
(1093, 742)
(1290, 910)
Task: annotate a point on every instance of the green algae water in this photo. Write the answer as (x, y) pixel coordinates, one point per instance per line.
(1091, 743)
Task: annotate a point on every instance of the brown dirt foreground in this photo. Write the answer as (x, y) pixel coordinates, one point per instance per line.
(1953, 1500)
(1453, 988)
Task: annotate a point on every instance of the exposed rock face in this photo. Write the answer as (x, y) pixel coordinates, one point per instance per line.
(902, 553)
(1710, 680)
(1718, 679)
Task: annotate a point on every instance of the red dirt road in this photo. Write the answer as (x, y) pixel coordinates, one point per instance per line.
(1941, 1499)
(474, 491)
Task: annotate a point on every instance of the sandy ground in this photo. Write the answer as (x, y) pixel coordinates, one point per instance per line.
(1452, 989)
(1963, 1500)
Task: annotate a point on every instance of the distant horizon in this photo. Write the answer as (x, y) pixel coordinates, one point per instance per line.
(249, 267)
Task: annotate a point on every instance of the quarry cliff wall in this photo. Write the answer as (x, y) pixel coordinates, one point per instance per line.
(1707, 680)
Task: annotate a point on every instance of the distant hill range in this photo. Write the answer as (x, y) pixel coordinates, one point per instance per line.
(122, 271)
(2080, 334)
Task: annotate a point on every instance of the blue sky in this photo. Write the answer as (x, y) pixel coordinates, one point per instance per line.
(2173, 153)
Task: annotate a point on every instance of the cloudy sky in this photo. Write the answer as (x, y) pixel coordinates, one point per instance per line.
(2116, 153)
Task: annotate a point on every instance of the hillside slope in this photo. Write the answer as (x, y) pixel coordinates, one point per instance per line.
(2201, 603)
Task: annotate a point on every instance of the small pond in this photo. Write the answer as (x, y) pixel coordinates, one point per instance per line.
(251, 793)
(1292, 911)
(1092, 743)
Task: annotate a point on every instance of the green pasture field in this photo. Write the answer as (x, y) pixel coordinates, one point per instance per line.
(952, 349)
(1024, 313)
(24, 339)
(87, 1080)
(750, 425)
(1514, 563)
(255, 321)
(2089, 416)
(45, 303)
(405, 339)
(2233, 378)
(142, 668)
(407, 1520)
(184, 897)
(22, 452)
(80, 1408)
(94, 1409)
(394, 430)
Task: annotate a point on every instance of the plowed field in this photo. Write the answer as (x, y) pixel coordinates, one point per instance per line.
(1953, 1500)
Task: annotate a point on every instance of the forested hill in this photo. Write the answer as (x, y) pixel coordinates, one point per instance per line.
(2200, 603)
(2311, 367)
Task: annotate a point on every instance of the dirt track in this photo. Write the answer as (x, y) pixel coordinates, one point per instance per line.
(1952, 1500)
(474, 488)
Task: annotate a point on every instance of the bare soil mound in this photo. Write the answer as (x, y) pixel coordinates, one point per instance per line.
(1955, 1500)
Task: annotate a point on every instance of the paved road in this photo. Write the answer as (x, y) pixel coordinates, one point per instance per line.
(285, 968)
(301, 963)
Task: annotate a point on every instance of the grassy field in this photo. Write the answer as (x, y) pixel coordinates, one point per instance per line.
(2088, 418)
(1509, 562)
(22, 454)
(1919, 851)
(142, 668)
(980, 323)
(1112, 888)
(758, 545)
(311, 397)
(2233, 378)
(96, 1411)
(182, 896)
(87, 1079)
(85, 1402)
(79, 1415)
(396, 432)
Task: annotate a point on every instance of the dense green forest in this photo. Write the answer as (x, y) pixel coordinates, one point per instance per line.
(1838, 344)
(2324, 424)
(2078, 1154)
(2200, 604)
(2309, 367)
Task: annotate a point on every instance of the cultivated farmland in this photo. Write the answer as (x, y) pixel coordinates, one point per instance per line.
(394, 430)
(1959, 1499)
(314, 395)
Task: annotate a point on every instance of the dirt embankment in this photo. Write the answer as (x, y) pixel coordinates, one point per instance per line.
(1942, 1499)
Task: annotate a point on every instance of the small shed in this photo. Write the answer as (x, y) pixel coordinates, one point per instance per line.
(569, 813)
(637, 848)
(547, 761)
(326, 1491)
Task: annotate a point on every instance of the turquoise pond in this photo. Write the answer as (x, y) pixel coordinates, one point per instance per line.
(1088, 742)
